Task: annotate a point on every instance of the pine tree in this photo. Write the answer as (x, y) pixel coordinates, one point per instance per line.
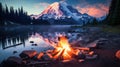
(94, 22)
(6, 12)
(113, 17)
(18, 16)
(1, 15)
(1, 11)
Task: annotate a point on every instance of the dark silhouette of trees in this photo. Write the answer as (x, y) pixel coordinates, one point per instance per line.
(113, 17)
(95, 22)
(10, 16)
(1, 15)
(18, 16)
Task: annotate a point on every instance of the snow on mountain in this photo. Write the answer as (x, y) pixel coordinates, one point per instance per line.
(101, 18)
(61, 10)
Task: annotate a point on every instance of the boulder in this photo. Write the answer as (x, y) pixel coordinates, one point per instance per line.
(117, 55)
(47, 57)
(12, 62)
(28, 54)
(34, 44)
(31, 41)
(80, 56)
(91, 57)
(14, 52)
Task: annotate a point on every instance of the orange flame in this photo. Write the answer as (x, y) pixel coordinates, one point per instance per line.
(63, 50)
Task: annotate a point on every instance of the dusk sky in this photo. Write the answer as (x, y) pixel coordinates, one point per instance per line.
(96, 8)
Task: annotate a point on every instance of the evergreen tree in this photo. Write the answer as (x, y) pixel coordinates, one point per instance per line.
(11, 15)
(1, 10)
(18, 16)
(1, 15)
(94, 22)
(113, 17)
(6, 12)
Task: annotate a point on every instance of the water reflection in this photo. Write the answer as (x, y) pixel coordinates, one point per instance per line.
(17, 39)
(12, 42)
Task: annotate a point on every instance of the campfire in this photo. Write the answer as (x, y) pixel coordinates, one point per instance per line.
(64, 51)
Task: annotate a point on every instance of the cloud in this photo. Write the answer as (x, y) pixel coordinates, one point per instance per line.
(96, 10)
(42, 4)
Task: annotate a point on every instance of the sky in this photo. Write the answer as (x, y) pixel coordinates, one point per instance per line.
(95, 8)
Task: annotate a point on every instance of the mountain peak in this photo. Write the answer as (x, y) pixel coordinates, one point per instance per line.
(63, 2)
(54, 4)
(61, 10)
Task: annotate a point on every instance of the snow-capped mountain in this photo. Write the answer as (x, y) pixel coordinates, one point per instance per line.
(101, 18)
(63, 12)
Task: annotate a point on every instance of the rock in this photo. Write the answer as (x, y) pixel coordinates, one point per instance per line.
(14, 52)
(100, 43)
(90, 57)
(28, 54)
(103, 39)
(92, 44)
(47, 56)
(15, 59)
(34, 44)
(12, 62)
(31, 41)
(117, 55)
(80, 56)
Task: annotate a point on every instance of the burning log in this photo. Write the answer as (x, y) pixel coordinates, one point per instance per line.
(39, 56)
(82, 48)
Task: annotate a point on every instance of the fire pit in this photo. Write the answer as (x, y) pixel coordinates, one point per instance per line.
(63, 51)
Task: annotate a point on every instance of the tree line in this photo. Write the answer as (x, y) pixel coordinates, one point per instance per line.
(19, 16)
(113, 17)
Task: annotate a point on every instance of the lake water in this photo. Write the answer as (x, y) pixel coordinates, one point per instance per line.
(10, 36)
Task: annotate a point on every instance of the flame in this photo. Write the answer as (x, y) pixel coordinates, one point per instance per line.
(63, 49)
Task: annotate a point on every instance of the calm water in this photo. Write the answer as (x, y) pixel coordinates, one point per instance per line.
(10, 36)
